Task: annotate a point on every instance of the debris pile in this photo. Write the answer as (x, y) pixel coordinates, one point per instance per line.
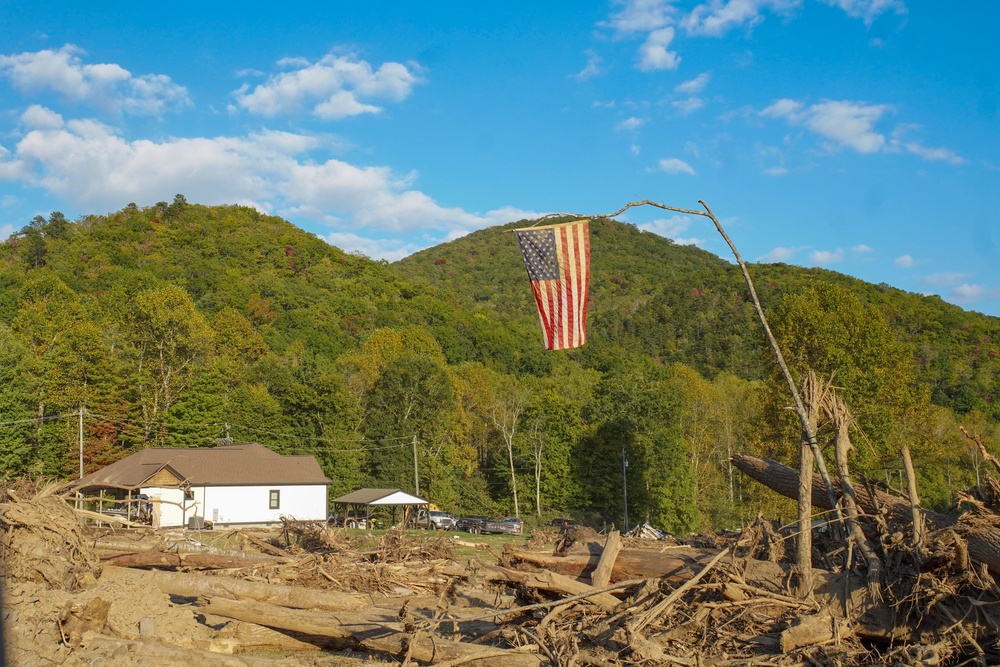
(308, 594)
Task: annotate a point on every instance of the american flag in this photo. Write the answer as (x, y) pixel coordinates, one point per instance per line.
(558, 261)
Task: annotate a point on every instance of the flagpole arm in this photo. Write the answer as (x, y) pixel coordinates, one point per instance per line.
(633, 204)
(799, 407)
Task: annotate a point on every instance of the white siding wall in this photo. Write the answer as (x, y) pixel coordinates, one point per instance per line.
(250, 504)
(170, 515)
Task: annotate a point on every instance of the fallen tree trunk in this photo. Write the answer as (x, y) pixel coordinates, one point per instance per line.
(371, 632)
(552, 581)
(187, 585)
(196, 560)
(129, 545)
(984, 541)
(673, 566)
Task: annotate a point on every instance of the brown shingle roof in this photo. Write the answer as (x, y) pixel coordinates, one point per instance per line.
(229, 465)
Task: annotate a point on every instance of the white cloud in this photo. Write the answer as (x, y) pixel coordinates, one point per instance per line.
(634, 149)
(941, 280)
(591, 69)
(862, 249)
(670, 228)
(641, 16)
(11, 169)
(935, 154)
(868, 10)
(688, 106)
(106, 86)
(783, 108)
(333, 87)
(695, 85)
(779, 254)
(842, 123)
(904, 262)
(675, 165)
(375, 248)
(848, 124)
(37, 117)
(654, 54)
(92, 167)
(718, 17)
(824, 257)
(967, 294)
(775, 171)
(630, 124)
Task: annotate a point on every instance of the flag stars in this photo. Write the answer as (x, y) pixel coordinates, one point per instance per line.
(539, 249)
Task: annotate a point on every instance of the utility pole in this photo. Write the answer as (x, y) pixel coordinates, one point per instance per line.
(416, 471)
(81, 442)
(625, 528)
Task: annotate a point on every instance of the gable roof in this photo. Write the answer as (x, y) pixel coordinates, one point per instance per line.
(229, 465)
(380, 497)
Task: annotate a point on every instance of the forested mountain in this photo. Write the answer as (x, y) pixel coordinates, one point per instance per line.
(679, 303)
(184, 325)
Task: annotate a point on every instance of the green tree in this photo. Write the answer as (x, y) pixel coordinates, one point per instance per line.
(413, 397)
(636, 411)
(828, 329)
(172, 342)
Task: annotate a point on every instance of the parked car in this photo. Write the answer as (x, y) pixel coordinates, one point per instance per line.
(511, 525)
(435, 519)
(562, 523)
(470, 524)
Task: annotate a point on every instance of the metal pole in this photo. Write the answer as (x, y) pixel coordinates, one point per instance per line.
(416, 471)
(625, 488)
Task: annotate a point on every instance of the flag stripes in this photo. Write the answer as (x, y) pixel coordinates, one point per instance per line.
(558, 262)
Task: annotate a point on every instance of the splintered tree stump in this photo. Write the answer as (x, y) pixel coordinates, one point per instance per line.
(601, 576)
(984, 541)
(74, 621)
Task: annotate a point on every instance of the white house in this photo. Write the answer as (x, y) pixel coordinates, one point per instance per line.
(231, 484)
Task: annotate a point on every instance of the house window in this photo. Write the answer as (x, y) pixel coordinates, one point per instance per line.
(274, 499)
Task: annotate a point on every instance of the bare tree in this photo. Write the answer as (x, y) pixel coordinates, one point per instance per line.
(511, 400)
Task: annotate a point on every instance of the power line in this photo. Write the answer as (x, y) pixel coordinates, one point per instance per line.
(316, 437)
(39, 419)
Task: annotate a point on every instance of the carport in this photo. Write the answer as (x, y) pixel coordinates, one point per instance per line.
(363, 500)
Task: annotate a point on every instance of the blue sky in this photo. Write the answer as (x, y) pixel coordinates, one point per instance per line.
(857, 135)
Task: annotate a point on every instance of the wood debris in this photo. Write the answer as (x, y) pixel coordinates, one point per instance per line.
(308, 594)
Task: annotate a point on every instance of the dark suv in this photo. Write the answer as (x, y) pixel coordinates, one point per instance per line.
(562, 523)
(471, 524)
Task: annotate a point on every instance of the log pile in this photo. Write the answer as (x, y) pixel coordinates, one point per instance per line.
(310, 595)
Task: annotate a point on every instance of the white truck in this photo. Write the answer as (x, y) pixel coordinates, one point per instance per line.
(435, 519)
